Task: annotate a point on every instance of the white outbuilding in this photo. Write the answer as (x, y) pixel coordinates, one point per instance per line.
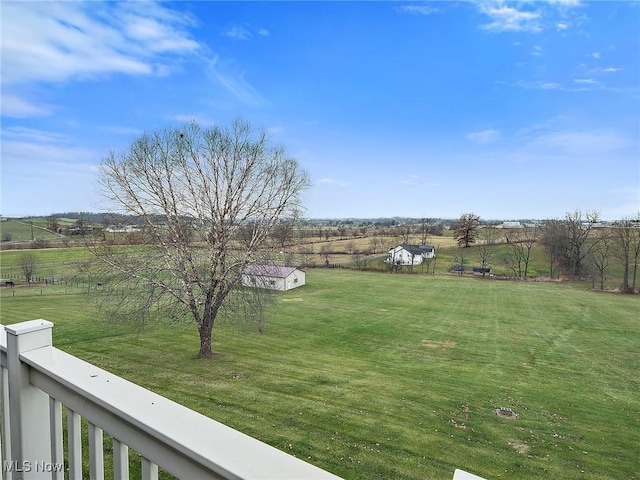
(273, 277)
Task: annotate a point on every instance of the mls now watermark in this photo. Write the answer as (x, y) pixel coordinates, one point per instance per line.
(27, 466)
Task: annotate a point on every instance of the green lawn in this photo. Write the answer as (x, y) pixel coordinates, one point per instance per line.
(374, 375)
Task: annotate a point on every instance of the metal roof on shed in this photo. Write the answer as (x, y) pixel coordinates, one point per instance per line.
(270, 271)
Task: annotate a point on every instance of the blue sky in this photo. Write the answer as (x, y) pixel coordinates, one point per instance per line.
(425, 109)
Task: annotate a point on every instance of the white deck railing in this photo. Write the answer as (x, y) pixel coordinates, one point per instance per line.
(38, 380)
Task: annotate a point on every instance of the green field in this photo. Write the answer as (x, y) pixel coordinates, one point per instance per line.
(25, 230)
(374, 375)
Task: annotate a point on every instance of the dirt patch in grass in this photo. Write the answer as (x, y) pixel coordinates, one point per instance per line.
(519, 447)
(443, 347)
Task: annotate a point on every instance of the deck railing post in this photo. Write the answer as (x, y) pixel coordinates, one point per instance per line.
(29, 412)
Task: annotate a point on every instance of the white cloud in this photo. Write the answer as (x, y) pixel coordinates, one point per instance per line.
(484, 136)
(527, 16)
(326, 180)
(49, 166)
(69, 40)
(234, 81)
(575, 144)
(72, 41)
(565, 3)
(586, 81)
(539, 85)
(611, 70)
(509, 19)
(239, 33)
(595, 55)
(32, 135)
(16, 107)
(419, 9)
(577, 85)
(41, 154)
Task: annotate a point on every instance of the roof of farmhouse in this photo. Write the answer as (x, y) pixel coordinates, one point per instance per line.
(270, 271)
(417, 249)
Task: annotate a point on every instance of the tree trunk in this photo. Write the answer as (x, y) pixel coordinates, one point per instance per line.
(205, 330)
(625, 276)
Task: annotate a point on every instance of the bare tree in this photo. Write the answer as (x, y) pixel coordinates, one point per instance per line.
(81, 226)
(625, 235)
(289, 258)
(519, 246)
(361, 259)
(350, 246)
(486, 247)
(405, 230)
(599, 257)
(426, 224)
(305, 253)
(554, 242)
(194, 189)
(465, 229)
(28, 262)
(459, 260)
(282, 233)
(325, 251)
(53, 223)
(375, 242)
(578, 228)
(567, 242)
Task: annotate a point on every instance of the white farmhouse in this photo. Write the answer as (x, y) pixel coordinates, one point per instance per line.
(405, 254)
(273, 277)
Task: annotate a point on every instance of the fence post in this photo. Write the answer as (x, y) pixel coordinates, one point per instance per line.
(28, 406)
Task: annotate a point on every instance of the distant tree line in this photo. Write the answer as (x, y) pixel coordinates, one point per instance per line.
(578, 246)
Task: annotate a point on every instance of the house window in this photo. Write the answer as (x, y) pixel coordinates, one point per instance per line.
(295, 280)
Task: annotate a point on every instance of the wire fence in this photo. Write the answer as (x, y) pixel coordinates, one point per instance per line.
(44, 286)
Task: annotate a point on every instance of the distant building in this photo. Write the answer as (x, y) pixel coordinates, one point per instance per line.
(510, 225)
(273, 277)
(405, 254)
